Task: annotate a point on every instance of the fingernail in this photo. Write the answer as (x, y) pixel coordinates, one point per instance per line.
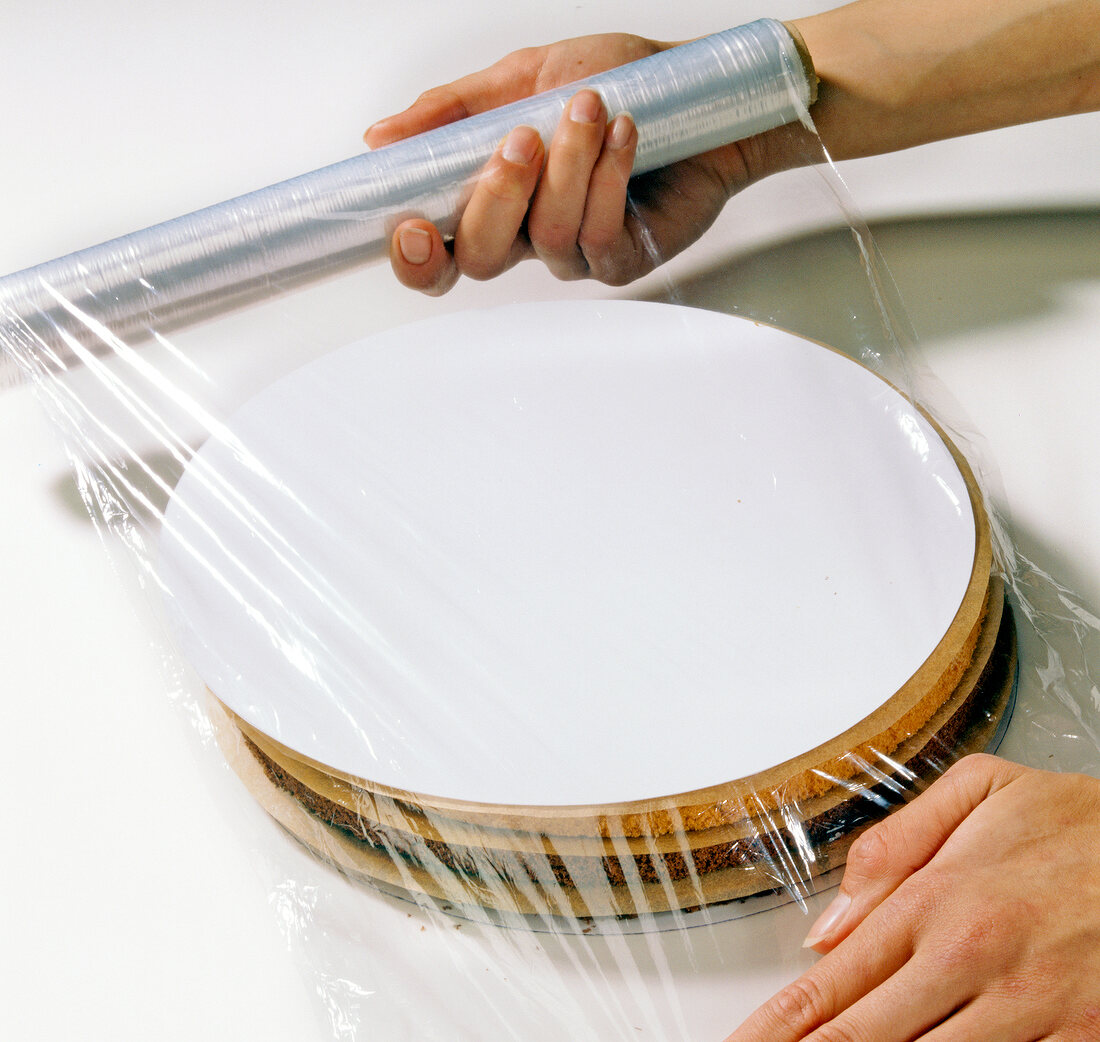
(520, 145)
(622, 127)
(585, 107)
(828, 921)
(415, 245)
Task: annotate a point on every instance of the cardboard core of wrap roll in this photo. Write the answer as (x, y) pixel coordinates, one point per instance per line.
(812, 79)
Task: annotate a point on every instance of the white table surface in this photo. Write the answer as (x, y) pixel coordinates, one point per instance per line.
(134, 903)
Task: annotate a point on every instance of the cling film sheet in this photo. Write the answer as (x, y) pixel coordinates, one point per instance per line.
(562, 638)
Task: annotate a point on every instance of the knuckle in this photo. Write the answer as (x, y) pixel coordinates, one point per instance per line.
(611, 264)
(1016, 987)
(446, 100)
(596, 241)
(504, 182)
(611, 175)
(481, 273)
(959, 953)
(836, 1032)
(566, 274)
(576, 148)
(552, 238)
(478, 265)
(973, 941)
(616, 276)
(976, 765)
(870, 854)
(523, 58)
(920, 900)
(566, 268)
(804, 1003)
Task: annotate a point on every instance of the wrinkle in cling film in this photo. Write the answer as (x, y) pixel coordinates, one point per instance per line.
(551, 666)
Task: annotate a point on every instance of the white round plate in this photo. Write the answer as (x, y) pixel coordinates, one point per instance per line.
(570, 553)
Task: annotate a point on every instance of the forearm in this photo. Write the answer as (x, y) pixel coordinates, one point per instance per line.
(897, 73)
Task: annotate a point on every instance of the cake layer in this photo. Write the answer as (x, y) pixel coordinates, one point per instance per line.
(540, 874)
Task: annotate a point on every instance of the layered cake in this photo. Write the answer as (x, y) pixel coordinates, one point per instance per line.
(586, 608)
(404, 847)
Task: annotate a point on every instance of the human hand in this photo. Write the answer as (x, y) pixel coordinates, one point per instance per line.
(565, 203)
(972, 913)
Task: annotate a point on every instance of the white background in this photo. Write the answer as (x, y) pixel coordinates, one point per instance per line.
(134, 904)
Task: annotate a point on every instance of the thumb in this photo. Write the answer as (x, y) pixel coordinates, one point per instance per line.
(891, 851)
(420, 259)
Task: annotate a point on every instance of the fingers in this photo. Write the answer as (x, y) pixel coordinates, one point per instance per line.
(517, 75)
(911, 965)
(890, 852)
(839, 981)
(511, 78)
(576, 224)
(603, 238)
(564, 197)
(578, 216)
(558, 207)
(434, 108)
(486, 238)
(983, 1019)
(876, 995)
(568, 211)
(979, 943)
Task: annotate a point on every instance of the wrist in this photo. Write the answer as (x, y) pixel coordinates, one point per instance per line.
(895, 75)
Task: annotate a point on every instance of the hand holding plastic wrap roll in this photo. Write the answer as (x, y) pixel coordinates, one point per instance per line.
(882, 90)
(504, 629)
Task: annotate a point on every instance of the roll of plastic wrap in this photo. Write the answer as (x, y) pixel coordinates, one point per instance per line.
(685, 100)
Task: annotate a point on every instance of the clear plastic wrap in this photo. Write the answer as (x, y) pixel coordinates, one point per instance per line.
(471, 608)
